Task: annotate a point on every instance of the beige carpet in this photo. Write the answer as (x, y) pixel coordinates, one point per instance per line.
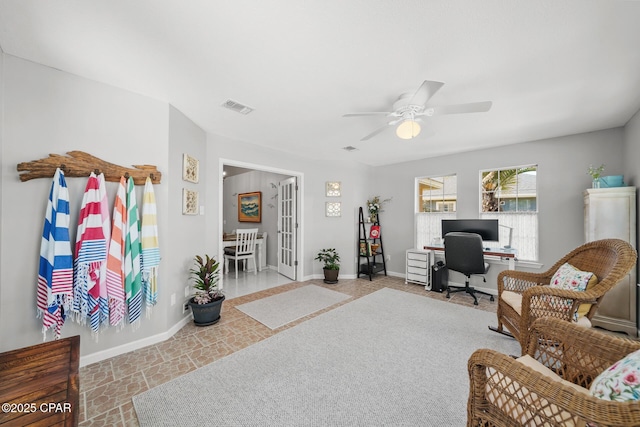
(387, 359)
(278, 310)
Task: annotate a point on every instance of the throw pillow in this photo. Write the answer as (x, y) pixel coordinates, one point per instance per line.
(570, 278)
(584, 308)
(619, 382)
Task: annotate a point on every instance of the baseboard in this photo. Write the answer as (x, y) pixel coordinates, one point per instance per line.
(135, 345)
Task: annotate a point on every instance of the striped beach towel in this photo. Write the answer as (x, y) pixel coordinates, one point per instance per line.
(55, 273)
(150, 247)
(115, 260)
(106, 230)
(132, 280)
(91, 252)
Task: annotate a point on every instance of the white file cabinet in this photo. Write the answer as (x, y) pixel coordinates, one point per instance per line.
(418, 267)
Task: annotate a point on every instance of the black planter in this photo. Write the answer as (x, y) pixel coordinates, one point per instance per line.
(330, 276)
(206, 314)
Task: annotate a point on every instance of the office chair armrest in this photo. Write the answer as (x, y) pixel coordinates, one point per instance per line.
(520, 281)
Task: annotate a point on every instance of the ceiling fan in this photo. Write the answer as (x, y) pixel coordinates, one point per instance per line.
(409, 109)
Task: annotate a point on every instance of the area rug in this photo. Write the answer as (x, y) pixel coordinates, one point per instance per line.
(278, 310)
(387, 359)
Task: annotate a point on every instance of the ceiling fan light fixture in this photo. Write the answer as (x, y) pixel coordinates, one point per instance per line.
(408, 129)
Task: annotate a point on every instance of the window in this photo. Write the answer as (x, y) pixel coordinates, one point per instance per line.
(510, 195)
(437, 194)
(436, 200)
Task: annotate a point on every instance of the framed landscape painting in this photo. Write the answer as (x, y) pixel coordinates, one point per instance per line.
(250, 207)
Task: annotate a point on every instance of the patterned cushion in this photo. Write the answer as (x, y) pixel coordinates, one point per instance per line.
(584, 308)
(514, 300)
(570, 278)
(621, 381)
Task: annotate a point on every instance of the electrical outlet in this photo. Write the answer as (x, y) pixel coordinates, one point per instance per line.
(173, 299)
(388, 257)
(185, 307)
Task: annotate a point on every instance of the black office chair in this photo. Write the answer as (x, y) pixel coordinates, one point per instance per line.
(463, 253)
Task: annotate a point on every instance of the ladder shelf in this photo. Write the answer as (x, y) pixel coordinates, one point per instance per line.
(370, 250)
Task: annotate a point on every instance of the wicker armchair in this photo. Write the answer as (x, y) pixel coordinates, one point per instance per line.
(523, 392)
(524, 297)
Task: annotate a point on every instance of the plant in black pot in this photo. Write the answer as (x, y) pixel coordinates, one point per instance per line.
(331, 268)
(207, 301)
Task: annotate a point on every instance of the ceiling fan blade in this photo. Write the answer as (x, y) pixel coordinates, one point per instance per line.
(375, 132)
(473, 107)
(426, 90)
(371, 113)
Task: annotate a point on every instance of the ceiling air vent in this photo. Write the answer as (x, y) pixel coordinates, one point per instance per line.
(349, 148)
(237, 107)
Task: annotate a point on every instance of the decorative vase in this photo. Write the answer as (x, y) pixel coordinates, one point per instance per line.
(330, 276)
(206, 314)
(595, 183)
(374, 217)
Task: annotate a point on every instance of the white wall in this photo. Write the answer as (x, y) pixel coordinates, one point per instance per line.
(49, 111)
(184, 233)
(562, 166)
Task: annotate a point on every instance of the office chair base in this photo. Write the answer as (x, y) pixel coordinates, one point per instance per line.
(470, 290)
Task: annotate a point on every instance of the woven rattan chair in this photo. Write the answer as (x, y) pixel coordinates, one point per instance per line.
(549, 386)
(524, 297)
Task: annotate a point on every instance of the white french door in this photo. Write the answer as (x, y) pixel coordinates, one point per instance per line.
(287, 227)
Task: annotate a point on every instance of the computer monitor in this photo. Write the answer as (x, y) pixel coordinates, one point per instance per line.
(486, 228)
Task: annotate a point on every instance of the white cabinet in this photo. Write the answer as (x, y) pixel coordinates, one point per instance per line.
(418, 267)
(611, 213)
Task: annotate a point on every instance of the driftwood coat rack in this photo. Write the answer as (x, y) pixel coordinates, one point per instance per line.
(80, 164)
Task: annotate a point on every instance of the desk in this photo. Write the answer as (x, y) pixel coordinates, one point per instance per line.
(503, 253)
(261, 243)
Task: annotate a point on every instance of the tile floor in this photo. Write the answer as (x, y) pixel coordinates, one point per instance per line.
(106, 387)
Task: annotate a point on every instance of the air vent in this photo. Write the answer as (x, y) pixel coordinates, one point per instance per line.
(349, 148)
(237, 107)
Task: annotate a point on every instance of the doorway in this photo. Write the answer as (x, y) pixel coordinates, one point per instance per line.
(279, 225)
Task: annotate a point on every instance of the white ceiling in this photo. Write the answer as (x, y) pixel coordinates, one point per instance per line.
(551, 67)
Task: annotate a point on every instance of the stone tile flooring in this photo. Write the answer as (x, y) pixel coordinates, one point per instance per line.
(106, 387)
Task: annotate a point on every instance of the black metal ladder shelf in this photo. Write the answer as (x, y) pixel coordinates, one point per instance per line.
(368, 260)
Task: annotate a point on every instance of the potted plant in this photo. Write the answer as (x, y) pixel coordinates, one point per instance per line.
(331, 259)
(595, 174)
(207, 301)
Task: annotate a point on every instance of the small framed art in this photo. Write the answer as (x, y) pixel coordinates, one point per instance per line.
(333, 209)
(333, 189)
(189, 202)
(190, 168)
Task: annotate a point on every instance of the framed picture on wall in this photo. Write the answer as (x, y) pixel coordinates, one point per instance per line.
(190, 168)
(250, 207)
(189, 202)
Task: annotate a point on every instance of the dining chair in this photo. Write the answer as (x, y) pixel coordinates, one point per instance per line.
(244, 249)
